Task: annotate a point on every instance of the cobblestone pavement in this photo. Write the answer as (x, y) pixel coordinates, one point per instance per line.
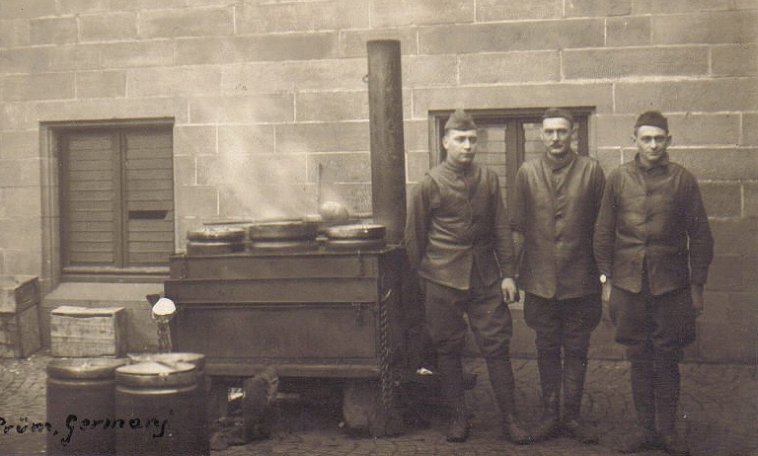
(719, 409)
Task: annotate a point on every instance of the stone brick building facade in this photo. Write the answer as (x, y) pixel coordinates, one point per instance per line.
(266, 103)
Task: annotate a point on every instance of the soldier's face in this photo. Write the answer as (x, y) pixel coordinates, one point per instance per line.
(460, 146)
(556, 135)
(651, 143)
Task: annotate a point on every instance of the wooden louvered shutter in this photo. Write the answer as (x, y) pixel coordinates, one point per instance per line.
(116, 199)
(149, 197)
(90, 198)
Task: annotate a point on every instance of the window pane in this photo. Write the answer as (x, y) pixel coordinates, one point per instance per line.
(491, 150)
(533, 147)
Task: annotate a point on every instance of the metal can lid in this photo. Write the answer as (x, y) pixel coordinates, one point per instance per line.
(84, 368)
(196, 359)
(157, 373)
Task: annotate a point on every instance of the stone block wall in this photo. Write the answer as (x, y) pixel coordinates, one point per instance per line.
(265, 93)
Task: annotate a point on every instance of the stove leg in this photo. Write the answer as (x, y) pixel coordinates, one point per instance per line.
(218, 400)
(359, 402)
(363, 412)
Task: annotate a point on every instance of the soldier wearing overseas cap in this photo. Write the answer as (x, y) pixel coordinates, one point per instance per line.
(459, 241)
(555, 204)
(653, 247)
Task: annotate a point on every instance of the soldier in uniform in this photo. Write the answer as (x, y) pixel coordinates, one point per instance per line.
(459, 241)
(557, 198)
(653, 247)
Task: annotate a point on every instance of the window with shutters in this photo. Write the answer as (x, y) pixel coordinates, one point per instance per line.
(507, 138)
(116, 199)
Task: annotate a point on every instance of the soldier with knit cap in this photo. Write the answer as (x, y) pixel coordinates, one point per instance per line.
(459, 241)
(653, 247)
(555, 204)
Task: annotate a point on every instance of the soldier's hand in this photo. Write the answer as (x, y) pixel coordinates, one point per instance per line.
(698, 303)
(510, 290)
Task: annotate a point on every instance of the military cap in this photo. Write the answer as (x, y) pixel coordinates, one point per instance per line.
(460, 120)
(652, 119)
(551, 113)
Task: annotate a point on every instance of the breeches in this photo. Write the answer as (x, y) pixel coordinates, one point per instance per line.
(653, 326)
(488, 316)
(566, 323)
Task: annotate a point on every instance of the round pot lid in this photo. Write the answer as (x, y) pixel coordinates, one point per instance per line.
(84, 368)
(217, 233)
(157, 373)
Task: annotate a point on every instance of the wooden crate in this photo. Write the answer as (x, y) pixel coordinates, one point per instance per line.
(18, 293)
(19, 316)
(19, 333)
(84, 331)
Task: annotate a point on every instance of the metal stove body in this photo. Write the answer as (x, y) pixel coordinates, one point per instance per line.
(311, 314)
(320, 314)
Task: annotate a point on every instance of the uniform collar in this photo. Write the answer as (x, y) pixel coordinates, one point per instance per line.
(458, 169)
(558, 163)
(662, 163)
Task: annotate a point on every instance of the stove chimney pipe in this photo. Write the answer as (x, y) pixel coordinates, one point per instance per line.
(385, 101)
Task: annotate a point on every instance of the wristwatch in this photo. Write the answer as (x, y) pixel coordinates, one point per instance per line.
(603, 278)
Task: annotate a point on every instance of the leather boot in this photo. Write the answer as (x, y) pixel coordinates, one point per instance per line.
(643, 437)
(503, 385)
(666, 401)
(451, 386)
(574, 371)
(549, 365)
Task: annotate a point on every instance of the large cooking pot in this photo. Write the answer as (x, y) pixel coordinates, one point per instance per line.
(292, 229)
(356, 231)
(213, 248)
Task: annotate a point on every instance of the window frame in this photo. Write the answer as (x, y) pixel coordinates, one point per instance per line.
(54, 270)
(514, 133)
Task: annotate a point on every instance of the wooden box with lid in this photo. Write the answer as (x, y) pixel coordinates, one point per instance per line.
(83, 331)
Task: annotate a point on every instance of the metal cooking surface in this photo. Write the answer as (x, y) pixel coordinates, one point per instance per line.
(294, 245)
(355, 244)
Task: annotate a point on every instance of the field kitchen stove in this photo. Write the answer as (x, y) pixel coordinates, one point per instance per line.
(329, 307)
(319, 314)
